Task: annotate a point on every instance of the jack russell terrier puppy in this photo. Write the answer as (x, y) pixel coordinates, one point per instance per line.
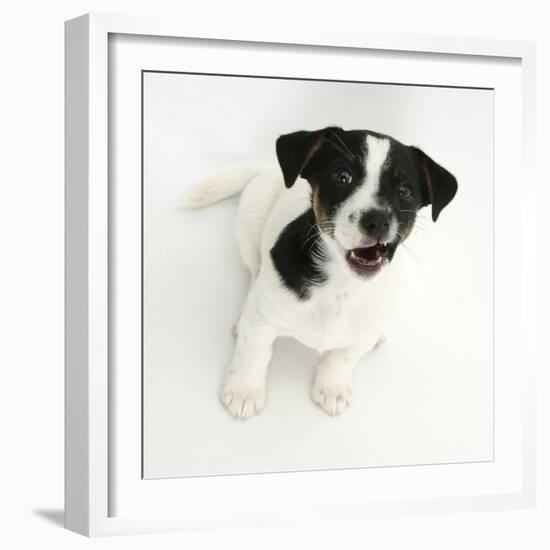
(318, 237)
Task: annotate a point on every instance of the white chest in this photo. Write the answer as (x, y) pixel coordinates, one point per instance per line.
(339, 314)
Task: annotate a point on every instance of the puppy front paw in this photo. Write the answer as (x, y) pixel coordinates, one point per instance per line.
(242, 400)
(332, 396)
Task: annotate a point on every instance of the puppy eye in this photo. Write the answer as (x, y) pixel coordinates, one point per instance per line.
(342, 177)
(404, 191)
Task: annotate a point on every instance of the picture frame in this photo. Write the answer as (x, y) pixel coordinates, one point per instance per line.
(99, 500)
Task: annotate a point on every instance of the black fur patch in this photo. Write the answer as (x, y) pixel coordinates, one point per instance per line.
(317, 156)
(295, 255)
(334, 162)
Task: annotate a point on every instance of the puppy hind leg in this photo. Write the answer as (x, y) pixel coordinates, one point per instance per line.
(252, 281)
(250, 255)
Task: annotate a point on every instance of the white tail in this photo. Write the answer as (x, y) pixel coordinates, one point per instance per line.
(218, 187)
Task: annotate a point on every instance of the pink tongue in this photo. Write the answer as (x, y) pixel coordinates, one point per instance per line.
(364, 261)
(367, 256)
(371, 254)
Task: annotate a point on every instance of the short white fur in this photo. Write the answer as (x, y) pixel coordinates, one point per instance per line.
(343, 319)
(347, 231)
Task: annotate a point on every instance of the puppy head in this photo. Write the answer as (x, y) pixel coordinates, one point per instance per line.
(366, 190)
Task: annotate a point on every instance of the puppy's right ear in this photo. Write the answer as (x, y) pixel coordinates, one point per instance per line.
(295, 151)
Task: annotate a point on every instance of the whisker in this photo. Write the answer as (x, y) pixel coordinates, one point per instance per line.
(409, 252)
(422, 229)
(339, 149)
(310, 230)
(424, 217)
(313, 242)
(320, 226)
(342, 142)
(314, 236)
(419, 218)
(418, 213)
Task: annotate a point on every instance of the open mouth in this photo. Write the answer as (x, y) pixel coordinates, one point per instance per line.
(367, 259)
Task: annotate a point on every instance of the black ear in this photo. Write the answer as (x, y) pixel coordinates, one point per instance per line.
(438, 185)
(295, 151)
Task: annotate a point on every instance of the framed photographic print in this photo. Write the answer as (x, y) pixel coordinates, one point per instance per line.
(292, 290)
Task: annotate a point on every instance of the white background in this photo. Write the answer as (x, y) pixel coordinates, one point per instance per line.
(424, 397)
(31, 172)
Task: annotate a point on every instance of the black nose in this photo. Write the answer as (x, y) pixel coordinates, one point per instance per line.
(375, 223)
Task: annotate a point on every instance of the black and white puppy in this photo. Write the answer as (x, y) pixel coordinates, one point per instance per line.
(320, 252)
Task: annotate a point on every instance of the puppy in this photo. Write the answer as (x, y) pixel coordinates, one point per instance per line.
(318, 237)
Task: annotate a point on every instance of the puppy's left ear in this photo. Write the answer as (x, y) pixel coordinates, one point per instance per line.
(439, 186)
(295, 151)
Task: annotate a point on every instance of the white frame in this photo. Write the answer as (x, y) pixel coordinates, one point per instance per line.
(87, 244)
